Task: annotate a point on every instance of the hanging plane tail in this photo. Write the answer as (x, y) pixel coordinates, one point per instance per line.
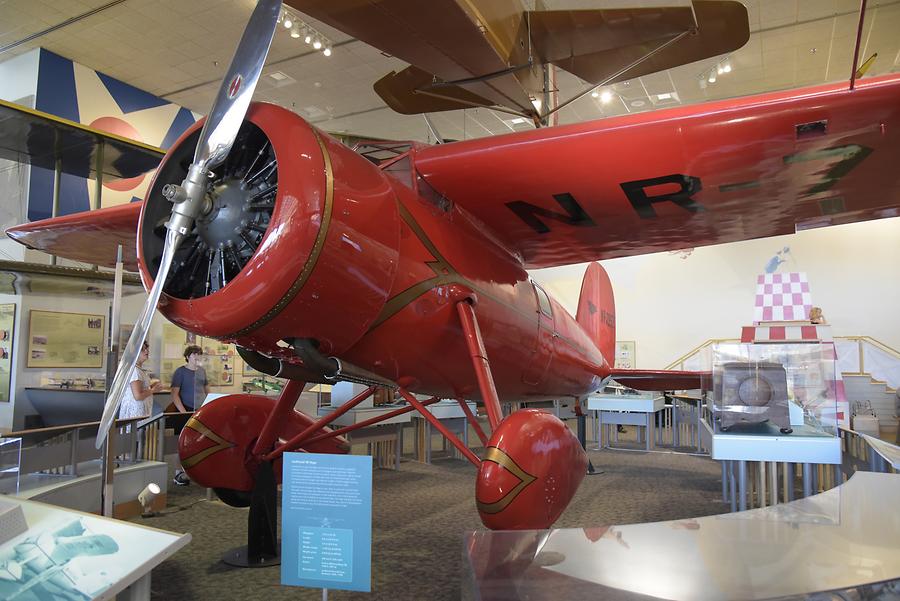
(597, 310)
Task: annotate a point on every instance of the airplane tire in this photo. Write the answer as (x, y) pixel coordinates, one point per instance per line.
(235, 498)
(787, 430)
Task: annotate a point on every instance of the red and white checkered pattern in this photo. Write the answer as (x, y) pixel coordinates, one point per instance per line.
(785, 333)
(782, 297)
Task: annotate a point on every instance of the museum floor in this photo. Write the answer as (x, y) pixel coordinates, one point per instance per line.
(420, 514)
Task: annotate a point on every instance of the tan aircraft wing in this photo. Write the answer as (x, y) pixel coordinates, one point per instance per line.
(595, 44)
(413, 91)
(453, 39)
(494, 49)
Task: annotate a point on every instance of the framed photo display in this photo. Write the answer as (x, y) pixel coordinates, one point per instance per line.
(65, 339)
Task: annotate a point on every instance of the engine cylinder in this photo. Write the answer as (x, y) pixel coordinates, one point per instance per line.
(297, 231)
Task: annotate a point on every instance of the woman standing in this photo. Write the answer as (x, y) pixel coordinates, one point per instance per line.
(138, 397)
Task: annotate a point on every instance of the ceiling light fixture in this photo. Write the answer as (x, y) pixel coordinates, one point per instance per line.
(711, 75)
(605, 96)
(301, 30)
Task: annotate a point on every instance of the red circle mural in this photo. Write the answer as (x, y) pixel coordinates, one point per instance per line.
(117, 126)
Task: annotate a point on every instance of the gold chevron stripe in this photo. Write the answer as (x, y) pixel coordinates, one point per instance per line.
(221, 444)
(502, 459)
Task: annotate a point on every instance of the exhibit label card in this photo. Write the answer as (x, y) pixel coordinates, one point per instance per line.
(326, 522)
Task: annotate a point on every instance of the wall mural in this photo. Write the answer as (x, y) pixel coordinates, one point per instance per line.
(78, 93)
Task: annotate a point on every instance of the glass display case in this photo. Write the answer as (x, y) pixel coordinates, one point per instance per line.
(774, 389)
(10, 460)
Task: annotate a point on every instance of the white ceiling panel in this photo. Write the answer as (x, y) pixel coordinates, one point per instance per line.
(180, 49)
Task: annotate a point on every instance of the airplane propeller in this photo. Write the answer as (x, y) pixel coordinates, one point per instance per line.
(190, 198)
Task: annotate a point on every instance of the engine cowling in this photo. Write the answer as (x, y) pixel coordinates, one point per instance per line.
(297, 233)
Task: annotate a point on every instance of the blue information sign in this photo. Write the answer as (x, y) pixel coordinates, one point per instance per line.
(326, 522)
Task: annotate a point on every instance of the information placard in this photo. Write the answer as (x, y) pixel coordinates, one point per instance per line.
(65, 339)
(326, 523)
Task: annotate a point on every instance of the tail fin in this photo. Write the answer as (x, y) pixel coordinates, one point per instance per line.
(597, 310)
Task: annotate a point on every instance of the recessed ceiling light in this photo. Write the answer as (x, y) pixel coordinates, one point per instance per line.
(517, 121)
(278, 76)
(637, 103)
(665, 96)
(606, 96)
(813, 50)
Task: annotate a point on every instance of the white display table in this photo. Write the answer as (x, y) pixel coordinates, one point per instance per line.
(626, 410)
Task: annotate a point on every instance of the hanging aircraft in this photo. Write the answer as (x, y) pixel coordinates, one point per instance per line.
(324, 264)
(494, 53)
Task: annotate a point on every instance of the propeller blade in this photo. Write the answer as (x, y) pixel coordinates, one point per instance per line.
(237, 88)
(136, 341)
(216, 138)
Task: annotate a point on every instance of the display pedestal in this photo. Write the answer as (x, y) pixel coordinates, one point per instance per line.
(629, 410)
(261, 550)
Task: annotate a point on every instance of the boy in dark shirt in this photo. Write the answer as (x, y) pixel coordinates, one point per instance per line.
(189, 389)
(189, 383)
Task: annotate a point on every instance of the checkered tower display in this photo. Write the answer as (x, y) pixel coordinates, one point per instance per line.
(782, 297)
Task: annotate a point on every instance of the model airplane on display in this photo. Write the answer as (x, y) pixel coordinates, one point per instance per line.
(322, 265)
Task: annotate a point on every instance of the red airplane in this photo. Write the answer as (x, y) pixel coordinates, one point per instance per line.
(324, 264)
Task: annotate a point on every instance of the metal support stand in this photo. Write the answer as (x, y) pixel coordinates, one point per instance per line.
(731, 487)
(742, 485)
(773, 483)
(261, 550)
(789, 482)
(581, 421)
(807, 479)
(108, 459)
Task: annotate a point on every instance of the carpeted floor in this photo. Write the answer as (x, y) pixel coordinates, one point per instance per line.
(420, 514)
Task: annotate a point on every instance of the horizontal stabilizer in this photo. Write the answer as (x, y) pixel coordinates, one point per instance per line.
(661, 379)
(595, 44)
(89, 236)
(412, 91)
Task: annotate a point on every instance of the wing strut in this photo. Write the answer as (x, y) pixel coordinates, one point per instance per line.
(480, 362)
(859, 30)
(450, 436)
(621, 71)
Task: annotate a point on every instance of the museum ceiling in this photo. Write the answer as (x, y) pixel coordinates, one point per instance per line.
(179, 50)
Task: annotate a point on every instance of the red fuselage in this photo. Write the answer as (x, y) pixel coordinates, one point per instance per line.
(369, 262)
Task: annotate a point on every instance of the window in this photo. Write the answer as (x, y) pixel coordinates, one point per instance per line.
(543, 301)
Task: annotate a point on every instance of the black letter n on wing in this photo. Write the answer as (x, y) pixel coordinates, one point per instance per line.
(530, 213)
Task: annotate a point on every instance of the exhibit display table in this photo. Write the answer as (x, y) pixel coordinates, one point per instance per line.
(64, 554)
(845, 539)
(765, 447)
(623, 409)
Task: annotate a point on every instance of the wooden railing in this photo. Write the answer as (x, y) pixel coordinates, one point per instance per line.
(59, 450)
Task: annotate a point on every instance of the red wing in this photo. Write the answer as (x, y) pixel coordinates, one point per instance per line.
(642, 379)
(90, 236)
(685, 177)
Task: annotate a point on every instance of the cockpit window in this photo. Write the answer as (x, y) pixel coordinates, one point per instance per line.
(543, 301)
